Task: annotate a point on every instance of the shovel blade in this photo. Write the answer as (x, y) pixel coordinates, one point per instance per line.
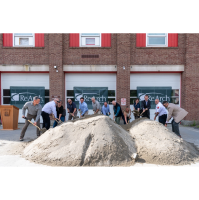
(43, 130)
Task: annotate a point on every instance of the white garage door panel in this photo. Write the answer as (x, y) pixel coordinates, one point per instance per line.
(155, 80)
(91, 80)
(24, 79)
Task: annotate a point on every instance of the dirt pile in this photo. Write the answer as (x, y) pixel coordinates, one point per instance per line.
(156, 144)
(93, 141)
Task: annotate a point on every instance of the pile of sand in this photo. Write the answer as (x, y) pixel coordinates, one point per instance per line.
(93, 141)
(156, 144)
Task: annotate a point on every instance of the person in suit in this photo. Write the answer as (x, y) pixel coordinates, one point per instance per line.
(177, 113)
(146, 106)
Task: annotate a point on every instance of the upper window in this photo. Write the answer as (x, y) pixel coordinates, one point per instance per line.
(90, 39)
(156, 39)
(24, 39)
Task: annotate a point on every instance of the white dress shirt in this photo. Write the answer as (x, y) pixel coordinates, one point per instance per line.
(49, 108)
(160, 109)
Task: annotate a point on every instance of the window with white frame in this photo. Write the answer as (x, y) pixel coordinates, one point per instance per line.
(156, 39)
(90, 39)
(23, 39)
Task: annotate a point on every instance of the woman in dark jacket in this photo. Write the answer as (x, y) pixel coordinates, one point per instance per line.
(60, 113)
(137, 107)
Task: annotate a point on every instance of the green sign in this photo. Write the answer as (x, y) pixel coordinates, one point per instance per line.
(161, 93)
(21, 95)
(100, 94)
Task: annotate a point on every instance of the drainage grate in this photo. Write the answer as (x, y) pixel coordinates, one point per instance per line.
(90, 56)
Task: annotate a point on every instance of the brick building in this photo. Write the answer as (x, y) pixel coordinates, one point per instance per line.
(123, 63)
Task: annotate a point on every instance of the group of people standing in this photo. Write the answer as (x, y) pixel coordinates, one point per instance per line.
(55, 110)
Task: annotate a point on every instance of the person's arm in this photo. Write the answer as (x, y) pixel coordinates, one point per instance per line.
(38, 115)
(98, 107)
(75, 108)
(125, 118)
(169, 116)
(118, 111)
(54, 110)
(84, 109)
(103, 110)
(149, 105)
(109, 109)
(24, 110)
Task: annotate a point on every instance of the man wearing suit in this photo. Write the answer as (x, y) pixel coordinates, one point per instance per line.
(146, 105)
(177, 113)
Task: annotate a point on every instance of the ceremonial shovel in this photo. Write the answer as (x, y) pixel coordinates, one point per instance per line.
(43, 130)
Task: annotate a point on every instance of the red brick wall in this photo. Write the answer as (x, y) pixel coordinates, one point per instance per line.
(190, 78)
(22, 56)
(72, 55)
(123, 75)
(57, 85)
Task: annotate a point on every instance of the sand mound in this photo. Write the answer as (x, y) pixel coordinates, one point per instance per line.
(156, 144)
(94, 141)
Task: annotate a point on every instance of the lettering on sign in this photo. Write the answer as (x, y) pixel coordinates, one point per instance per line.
(123, 101)
(6, 112)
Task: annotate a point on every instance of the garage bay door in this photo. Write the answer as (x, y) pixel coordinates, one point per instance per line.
(91, 80)
(156, 80)
(22, 80)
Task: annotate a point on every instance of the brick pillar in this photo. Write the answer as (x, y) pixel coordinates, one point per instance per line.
(57, 85)
(123, 75)
(190, 77)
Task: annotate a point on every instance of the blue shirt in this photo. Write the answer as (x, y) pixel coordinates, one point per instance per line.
(71, 107)
(83, 107)
(105, 110)
(136, 106)
(49, 108)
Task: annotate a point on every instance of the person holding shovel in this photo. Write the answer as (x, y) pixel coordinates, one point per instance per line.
(146, 106)
(72, 109)
(60, 115)
(34, 112)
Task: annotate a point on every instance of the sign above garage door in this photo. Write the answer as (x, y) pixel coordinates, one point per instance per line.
(21, 95)
(161, 93)
(100, 94)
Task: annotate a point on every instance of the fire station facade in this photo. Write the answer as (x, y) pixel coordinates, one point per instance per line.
(108, 65)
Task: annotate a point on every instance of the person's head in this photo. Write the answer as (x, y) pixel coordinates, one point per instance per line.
(114, 103)
(59, 104)
(127, 109)
(93, 99)
(82, 99)
(56, 100)
(70, 101)
(146, 97)
(36, 100)
(165, 104)
(157, 101)
(105, 104)
(137, 100)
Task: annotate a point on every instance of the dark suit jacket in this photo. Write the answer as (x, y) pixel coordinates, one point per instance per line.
(144, 106)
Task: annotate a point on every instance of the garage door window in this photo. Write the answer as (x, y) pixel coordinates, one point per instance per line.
(111, 95)
(90, 39)
(175, 96)
(133, 96)
(6, 96)
(157, 40)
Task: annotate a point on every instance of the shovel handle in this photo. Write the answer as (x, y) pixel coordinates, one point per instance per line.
(32, 123)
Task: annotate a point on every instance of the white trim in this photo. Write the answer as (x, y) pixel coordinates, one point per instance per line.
(90, 68)
(80, 41)
(24, 68)
(13, 41)
(157, 68)
(166, 45)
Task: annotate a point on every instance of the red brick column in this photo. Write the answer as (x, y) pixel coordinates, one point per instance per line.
(190, 78)
(57, 85)
(123, 61)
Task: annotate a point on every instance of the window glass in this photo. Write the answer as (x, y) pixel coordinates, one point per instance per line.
(90, 41)
(23, 34)
(70, 92)
(156, 40)
(6, 100)
(175, 92)
(111, 93)
(110, 100)
(156, 34)
(132, 101)
(6, 92)
(90, 34)
(133, 93)
(23, 41)
(46, 92)
(46, 100)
